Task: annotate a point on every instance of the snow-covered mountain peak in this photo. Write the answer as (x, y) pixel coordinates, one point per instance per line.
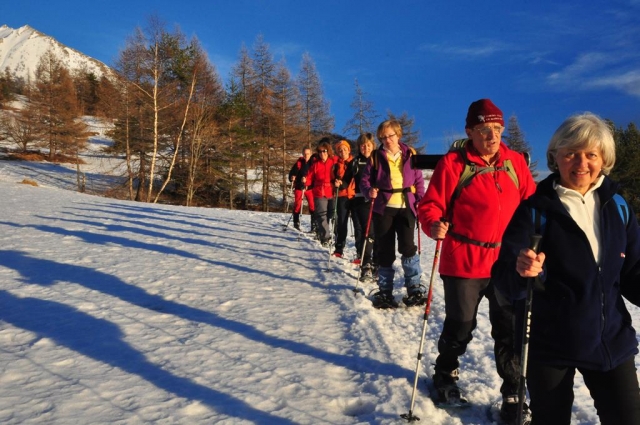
(21, 49)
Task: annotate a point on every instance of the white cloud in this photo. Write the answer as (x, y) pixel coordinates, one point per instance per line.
(629, 82)
(478, 50)
(596, 70)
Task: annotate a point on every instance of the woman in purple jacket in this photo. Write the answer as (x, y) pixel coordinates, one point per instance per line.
(395, 188)
(589, 259)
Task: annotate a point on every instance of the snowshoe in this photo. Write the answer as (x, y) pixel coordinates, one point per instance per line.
(337, 254)
(384, 300)
(366, 275)
(356, 261)
(449, 397)
(417, 296)
(445, 392)
(505, 412)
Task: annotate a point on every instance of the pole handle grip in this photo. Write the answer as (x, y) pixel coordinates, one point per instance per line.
(535, 242)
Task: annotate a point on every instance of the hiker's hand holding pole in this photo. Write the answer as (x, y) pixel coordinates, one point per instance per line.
(529, 264)
(373, 192)
(439, 229)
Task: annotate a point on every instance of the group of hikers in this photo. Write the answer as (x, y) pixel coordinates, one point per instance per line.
(484, 206)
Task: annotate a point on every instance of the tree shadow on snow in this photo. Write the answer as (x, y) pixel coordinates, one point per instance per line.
(103, 239)
(46, 273)
(103, 341)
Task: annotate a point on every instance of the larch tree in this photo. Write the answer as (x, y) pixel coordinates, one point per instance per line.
(364, 115)
(54, 101)
(287, 112)
(315, 108)
(264, 116)
(234, 138)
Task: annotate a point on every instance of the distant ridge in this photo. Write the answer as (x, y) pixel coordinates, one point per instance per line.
(21, 49)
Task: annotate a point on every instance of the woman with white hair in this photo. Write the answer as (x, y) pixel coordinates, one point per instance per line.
(589, 260)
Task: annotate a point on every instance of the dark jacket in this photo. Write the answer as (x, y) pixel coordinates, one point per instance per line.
(298, 170)
(579, 319)
(379, 176)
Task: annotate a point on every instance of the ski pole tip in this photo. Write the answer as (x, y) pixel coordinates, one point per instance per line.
(409, 417)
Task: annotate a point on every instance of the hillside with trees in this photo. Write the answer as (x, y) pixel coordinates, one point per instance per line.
(187, 137)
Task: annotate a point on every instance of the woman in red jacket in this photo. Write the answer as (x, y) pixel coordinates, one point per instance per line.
(320, 178)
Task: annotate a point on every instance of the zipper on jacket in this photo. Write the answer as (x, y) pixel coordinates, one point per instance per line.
(603, 303)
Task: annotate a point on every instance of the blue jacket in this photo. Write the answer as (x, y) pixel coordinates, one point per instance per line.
(579, 319)
(380, 177)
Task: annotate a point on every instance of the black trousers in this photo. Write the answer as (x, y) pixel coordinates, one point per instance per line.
(342, 224)
(360, 215)
(462, 298)
(615, 393)
(394, 221)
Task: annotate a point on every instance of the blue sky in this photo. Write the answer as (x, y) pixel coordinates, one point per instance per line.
(541, 61)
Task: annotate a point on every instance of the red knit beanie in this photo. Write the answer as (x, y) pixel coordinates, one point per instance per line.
(483, 111)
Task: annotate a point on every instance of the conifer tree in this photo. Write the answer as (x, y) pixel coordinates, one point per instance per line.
(287, 112)
(627, 167)
(315, 108)
(243, 75)
(54, 101)
(515, 139)
(364, 115)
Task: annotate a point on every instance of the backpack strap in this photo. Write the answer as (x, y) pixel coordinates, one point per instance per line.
(539, 218)
(623, 208)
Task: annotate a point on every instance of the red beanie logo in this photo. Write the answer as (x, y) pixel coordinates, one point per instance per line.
(483, 111)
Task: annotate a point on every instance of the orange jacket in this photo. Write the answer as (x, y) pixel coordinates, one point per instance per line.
(341, 172)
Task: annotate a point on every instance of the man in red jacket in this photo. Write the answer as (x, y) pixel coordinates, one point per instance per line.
(472, 232)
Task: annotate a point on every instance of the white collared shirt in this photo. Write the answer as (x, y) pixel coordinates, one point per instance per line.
(585, 211)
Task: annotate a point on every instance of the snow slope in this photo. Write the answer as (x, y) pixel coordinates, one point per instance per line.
(116, 312)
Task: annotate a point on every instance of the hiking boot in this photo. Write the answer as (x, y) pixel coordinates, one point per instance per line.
(337, 254)
(415, 296)
(384, 300)
(296, 226)
(509, 411)
(356, 261)
(366, 275)
(325, 242)
(446, 385)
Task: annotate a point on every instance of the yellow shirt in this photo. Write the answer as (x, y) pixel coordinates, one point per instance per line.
(395, 165)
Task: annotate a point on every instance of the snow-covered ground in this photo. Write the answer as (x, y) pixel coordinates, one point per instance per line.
(115, 312)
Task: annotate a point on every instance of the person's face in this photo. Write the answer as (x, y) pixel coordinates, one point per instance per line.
(366, 149)
(307, 154)
(579, 168)
(343, 152)
(390, 140)
(486, 138)
(323, 153)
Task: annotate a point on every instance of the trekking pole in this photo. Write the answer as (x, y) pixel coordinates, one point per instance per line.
(526, 332)
(410, 416)
(284, 228)
(335, 220)
(364, 247)
(286, 205)
(418, 226)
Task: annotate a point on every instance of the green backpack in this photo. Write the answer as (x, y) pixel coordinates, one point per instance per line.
(470, 171)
